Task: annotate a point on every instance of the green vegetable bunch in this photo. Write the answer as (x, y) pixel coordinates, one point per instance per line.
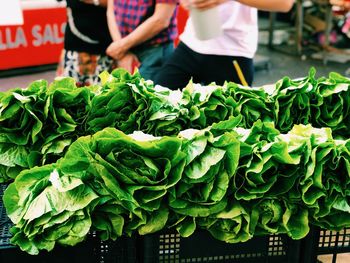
(252, 103)
(211, 161)
(268, 165)
(322, 102)
(278, 215)
(130, 103)
(48, 209)
(324, 182)
(39, 122)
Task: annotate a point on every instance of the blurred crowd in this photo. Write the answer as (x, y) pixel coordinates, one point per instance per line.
(106, 34)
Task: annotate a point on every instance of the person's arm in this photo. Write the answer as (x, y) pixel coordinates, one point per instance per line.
(102, 3)
(112, 24)
(128, 60)
(267, 5)
(149, 28)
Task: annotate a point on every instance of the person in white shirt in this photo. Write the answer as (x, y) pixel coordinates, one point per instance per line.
(227, 57)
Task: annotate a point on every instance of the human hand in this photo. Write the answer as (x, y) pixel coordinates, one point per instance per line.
(129, 62)
(117, 49)
(342, 3)
(185, 4)
(97, 3)
(200, 4)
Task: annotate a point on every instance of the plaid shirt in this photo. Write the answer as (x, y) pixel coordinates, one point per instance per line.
(131, 13)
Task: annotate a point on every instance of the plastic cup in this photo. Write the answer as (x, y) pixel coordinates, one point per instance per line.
(206, 23)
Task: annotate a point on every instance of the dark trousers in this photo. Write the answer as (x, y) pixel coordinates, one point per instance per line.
(185, 64)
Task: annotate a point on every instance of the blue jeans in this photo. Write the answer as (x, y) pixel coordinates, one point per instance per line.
(153, 58)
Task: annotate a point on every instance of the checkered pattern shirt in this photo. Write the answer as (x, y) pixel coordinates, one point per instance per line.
(131, 13)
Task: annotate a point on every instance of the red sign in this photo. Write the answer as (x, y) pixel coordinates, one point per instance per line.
(39, 41)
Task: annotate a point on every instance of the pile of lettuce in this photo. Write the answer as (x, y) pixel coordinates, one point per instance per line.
(234, 182)
(129, 157)
(116, 184)
(136, 104)
(38, 124)
(109, 181)
(131, 103)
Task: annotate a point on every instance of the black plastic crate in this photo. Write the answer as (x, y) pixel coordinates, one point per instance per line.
(123, 250)
(5, 223)
(331, 242)
(82, 252)
(92, 250)
(202, 247)
(325, 242)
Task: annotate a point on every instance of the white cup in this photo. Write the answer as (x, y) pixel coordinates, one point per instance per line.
(206, 23)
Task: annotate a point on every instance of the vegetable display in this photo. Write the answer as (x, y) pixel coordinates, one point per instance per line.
(129, 157)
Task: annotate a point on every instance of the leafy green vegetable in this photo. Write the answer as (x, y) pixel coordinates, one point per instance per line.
(267, 165)
(129, 156)
(38, 123)
(48, 209)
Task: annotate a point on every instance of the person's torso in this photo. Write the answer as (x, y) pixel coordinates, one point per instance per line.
(87, 28)
(131, 13)
(240, 32)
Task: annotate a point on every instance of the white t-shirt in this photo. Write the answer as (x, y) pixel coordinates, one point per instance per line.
(240, 32)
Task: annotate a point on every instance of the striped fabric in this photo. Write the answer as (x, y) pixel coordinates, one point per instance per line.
(131, 13)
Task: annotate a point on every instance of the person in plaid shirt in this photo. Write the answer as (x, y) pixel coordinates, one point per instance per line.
(143, 33)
